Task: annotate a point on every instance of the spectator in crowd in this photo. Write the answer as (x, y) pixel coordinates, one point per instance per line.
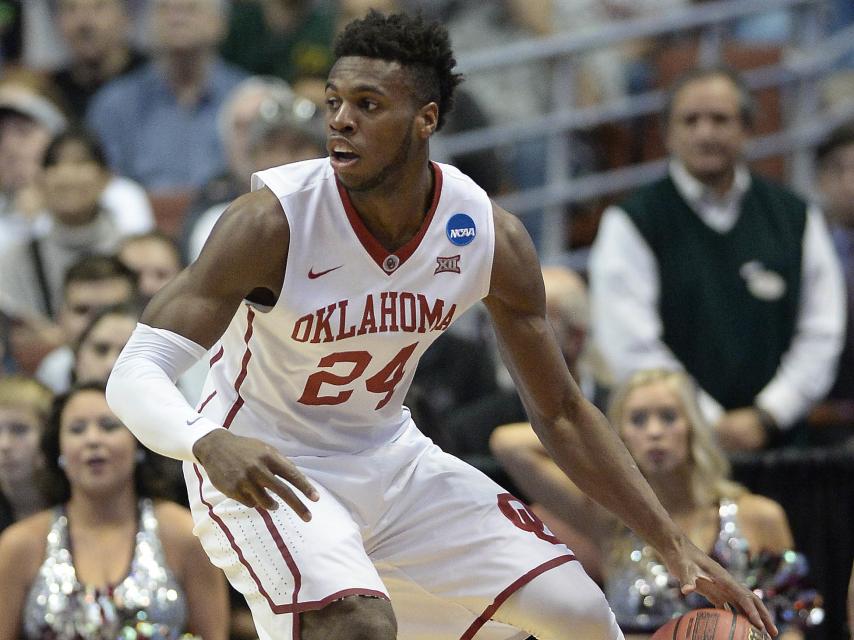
(157, 124)
(27, 123)
(289, 39)
(658, 418)
(91, 285)
(24, 406)
(72, 183)
(243, 106)
(155, 259)
(270, 126)
(715, 270)
(135, 565)
(102, 341)
(835, 159)
(97, 33)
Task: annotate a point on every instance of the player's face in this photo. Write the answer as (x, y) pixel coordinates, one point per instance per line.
(655, 428)
(371, 121)
(98, 450)
(706, 130)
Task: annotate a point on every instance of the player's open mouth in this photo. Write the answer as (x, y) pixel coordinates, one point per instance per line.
(344, 158)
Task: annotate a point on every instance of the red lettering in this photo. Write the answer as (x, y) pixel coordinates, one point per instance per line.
(406, 303)
(304, 325)
(369, 321)
(324, 315)
(342, 322)
(446, 321)
(429, 317)
(388, 309)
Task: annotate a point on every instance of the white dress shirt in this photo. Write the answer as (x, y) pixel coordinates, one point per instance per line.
(627, 328)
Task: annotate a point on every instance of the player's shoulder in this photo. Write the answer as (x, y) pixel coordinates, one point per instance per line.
(289, 179)
(257, 214)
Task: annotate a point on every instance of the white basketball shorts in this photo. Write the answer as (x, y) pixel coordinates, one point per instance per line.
(404, 521)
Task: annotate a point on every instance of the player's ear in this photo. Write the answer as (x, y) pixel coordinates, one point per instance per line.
(427, 120)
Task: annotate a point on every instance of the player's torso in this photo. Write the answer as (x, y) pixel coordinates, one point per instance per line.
(327, 368)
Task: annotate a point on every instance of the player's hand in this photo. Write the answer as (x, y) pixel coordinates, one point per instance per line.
(698, 572)
(741, 430)
(252, 472)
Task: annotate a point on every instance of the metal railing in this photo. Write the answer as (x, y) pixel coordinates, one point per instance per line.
(806, 59)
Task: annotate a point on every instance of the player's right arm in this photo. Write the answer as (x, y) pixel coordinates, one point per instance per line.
(244, 256)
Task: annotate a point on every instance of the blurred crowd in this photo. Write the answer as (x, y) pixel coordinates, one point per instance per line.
(127, 127)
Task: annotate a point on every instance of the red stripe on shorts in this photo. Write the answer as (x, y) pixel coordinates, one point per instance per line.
(487, 614)
(295, 607)
(217, 357)
(244, 367)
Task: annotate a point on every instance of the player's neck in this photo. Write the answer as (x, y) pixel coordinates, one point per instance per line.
(394, 211)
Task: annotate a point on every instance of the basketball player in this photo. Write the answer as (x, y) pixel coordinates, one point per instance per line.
(318, 292)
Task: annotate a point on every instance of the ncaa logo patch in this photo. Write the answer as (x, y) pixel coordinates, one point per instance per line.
(461, 229)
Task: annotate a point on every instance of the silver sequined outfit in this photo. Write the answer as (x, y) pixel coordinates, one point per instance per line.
(641, 592)
(59, 607)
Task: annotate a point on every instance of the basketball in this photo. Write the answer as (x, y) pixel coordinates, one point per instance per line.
(709, 624)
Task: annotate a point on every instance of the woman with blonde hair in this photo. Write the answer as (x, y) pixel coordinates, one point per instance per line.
(658, 419)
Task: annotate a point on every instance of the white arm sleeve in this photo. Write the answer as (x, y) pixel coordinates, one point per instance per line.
(142, 392)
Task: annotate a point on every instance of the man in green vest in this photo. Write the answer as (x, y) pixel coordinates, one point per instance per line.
(715, 270)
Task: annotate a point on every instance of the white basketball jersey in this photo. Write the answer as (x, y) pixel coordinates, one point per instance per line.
(326, 369)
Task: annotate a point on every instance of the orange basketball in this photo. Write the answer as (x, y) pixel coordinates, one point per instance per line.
(709, 624)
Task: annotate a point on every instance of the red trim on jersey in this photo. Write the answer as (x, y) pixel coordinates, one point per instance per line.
(296, 607)
(244, 367)
(217, 356)
(378, 252)
(487, 614)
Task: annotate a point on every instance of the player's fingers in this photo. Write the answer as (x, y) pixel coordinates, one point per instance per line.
(282, 490)
(254, 486)
(751, 606)
(287, 470)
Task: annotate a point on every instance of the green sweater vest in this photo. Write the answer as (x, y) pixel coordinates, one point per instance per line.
(728, 301)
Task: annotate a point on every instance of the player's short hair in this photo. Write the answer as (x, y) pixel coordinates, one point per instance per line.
(841, 136)
(746, 103)
(424, 48)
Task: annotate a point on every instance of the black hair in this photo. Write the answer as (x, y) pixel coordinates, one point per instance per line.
(424, 48)
(841, 136)
(151, 476)
(96, 269)
(746, 103)
(79, 135)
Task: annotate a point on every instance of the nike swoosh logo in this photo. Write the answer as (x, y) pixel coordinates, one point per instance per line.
(312, 275)
(194, 420)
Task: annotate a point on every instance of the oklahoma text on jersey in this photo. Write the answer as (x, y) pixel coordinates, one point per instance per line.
(389, 311)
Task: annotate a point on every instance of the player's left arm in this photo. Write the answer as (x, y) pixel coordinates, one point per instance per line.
(574, 432)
